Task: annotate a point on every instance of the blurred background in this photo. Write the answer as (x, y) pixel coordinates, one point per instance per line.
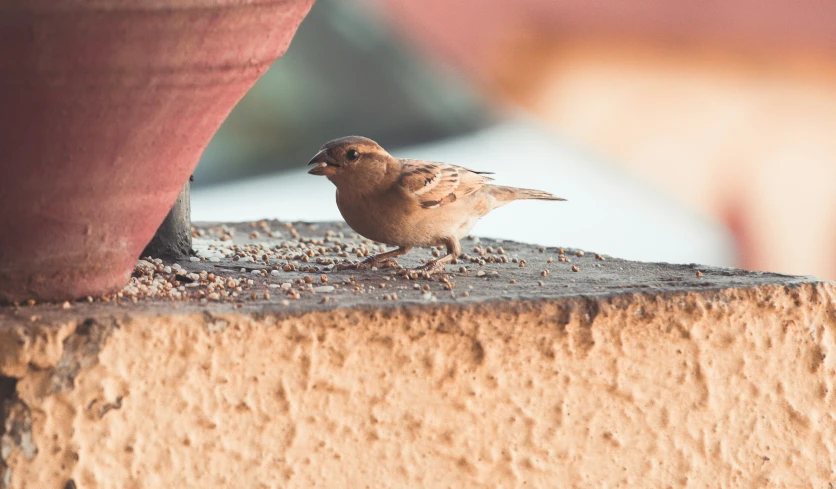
(679, 131)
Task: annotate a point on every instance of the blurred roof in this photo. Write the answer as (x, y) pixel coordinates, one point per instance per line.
(467, 32)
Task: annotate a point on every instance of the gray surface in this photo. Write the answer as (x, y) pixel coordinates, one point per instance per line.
(595, 279)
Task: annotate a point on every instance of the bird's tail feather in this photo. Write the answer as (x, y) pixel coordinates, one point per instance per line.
(508, 194)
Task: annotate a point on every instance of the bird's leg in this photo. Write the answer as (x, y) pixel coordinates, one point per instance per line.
(454, 249)
(381, 260)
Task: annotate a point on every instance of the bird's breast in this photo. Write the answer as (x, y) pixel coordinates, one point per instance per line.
(373, 216)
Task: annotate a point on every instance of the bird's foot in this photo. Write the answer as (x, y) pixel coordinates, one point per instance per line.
(431, 267)
(369, 263)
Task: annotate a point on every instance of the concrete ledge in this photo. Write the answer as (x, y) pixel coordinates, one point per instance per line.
(635, 375)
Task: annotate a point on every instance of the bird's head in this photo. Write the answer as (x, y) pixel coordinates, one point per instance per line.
(349, 159)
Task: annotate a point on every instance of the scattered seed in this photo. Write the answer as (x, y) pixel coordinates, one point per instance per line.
(544, 273)
(699, 273)
(575, 268)
(579, 253)
(512, 281)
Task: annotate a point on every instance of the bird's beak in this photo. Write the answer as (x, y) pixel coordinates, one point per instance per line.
(325, 165)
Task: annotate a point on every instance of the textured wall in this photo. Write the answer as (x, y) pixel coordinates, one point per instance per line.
(728, 388)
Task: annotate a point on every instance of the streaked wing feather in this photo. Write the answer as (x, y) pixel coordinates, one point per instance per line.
(438, 184)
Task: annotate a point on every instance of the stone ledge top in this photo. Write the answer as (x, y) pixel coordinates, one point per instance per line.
(287, 268)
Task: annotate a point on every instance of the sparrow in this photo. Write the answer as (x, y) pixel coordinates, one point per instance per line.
(408, 203)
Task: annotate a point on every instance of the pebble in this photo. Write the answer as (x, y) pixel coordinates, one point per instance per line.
(323, 289)
(194, 258)
(480, 273)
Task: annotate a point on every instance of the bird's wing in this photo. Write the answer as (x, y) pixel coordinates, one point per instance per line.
(438, 184)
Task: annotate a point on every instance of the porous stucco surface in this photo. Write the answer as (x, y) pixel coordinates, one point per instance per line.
(714, 387)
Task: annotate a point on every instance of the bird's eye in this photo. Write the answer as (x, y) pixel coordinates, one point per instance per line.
(352, 154)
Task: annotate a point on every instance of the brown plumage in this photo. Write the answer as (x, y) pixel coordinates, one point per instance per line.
(407, 203)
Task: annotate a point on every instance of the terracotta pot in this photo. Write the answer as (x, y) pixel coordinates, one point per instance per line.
(105, 109)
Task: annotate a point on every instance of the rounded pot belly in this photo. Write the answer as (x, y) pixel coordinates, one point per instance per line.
(106, 108)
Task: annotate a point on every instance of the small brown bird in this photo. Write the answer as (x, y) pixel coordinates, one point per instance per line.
(407, 203)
